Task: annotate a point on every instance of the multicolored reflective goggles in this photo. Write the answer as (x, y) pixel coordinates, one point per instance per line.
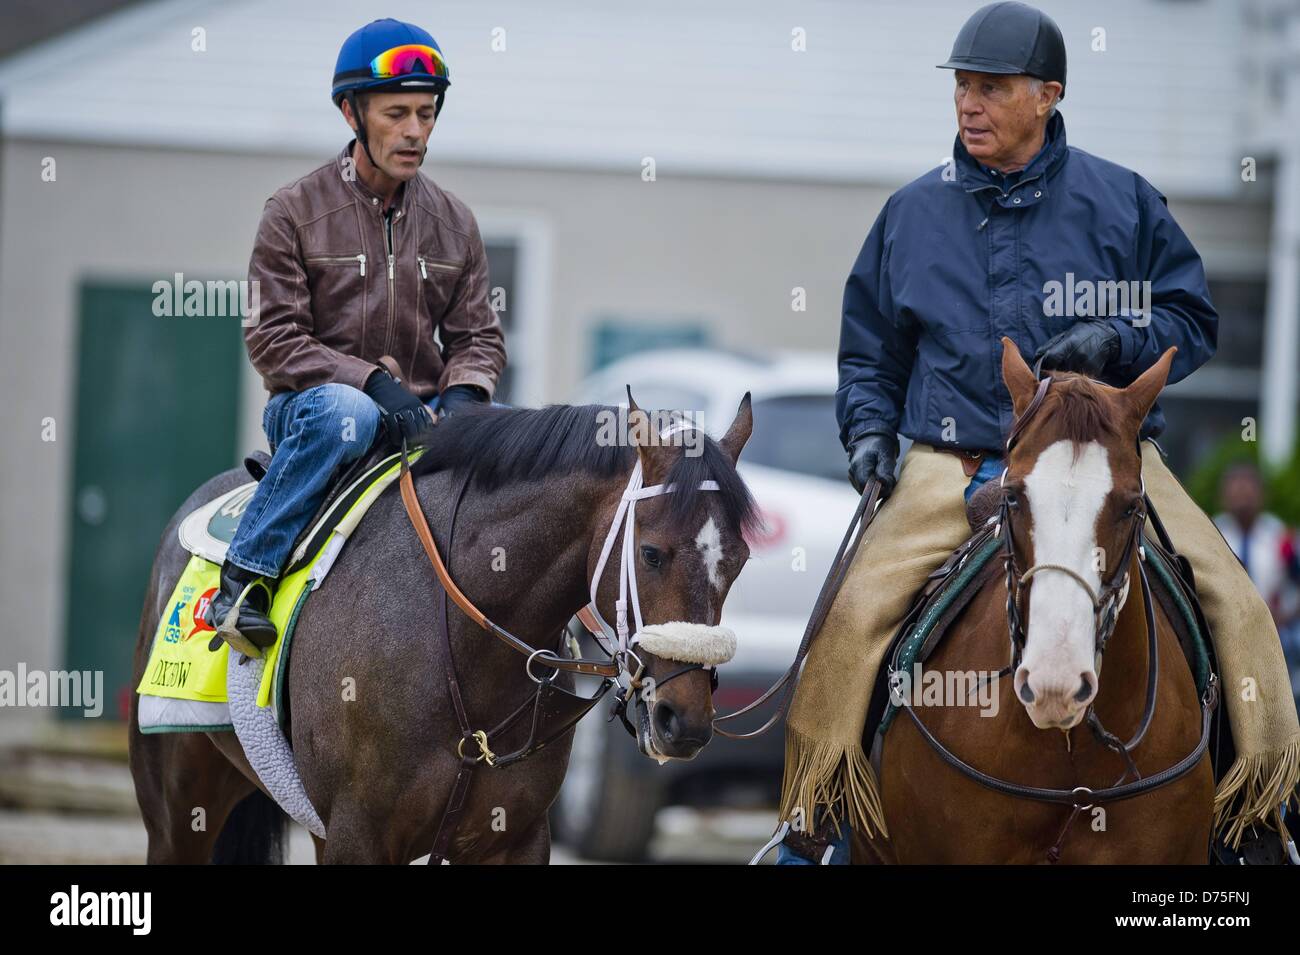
(402, 60)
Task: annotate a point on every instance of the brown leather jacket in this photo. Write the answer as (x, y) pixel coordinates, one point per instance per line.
(334, 298)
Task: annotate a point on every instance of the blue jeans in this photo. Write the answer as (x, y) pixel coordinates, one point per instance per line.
(312, 434)
(839, 855)
(990, 469)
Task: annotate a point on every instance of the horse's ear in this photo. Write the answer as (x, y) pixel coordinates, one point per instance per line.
(655, 459)
(1142, 394)
(1018, 377)
(638, 422)
(741, 428)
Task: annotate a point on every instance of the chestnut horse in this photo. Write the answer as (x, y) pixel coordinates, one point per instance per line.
(538, 492)
(1072, 492)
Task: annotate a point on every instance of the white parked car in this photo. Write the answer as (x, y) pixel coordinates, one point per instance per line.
(797, 471)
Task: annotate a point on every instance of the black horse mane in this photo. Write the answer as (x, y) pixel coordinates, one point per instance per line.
(502, 446)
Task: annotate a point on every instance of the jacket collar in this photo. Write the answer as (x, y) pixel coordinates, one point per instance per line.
(974, 176)
(353, 181)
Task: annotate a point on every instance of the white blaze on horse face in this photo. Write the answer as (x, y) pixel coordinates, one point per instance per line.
(709, 543)
(1065, 497)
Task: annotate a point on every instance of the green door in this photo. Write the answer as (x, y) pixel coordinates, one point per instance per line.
(156, 416)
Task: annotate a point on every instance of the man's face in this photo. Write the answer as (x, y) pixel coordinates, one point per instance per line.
(1243, 494)
(999, 117)
(399, 125)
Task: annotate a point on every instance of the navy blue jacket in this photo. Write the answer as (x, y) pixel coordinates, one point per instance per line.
(954, 262)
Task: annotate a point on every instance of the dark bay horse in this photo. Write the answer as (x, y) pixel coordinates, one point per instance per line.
(541, 488)
(1073, 493)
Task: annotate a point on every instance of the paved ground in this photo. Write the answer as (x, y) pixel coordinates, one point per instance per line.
(64, 807)
(43, 838)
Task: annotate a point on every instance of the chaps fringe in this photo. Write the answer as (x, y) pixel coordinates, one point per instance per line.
(824, 775)
(1253, 791)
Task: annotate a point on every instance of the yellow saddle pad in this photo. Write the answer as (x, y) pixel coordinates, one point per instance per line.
(180, 664)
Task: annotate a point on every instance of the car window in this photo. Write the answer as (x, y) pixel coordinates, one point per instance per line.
(797, 433)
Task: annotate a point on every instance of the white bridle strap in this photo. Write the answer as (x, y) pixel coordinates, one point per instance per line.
(625, 518)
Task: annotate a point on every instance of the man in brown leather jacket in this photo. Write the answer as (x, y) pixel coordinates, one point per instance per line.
(362, 258)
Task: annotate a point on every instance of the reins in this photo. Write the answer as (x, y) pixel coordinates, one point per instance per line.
(1105, 603)
(475, 746)
(868, 505)
(415, 513)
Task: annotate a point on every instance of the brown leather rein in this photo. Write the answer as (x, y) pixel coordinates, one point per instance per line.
(414, 512)
(1106, 611)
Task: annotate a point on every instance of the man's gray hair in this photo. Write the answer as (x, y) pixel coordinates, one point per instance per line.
(1036, 87)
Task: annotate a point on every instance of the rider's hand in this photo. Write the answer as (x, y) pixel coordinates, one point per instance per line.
(1087, 346)
(457, 397)
(873, 456)
(402, 413)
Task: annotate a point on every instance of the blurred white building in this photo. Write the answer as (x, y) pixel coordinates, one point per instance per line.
(774, 132)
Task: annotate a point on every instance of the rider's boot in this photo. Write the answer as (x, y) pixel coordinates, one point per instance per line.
(240, 611)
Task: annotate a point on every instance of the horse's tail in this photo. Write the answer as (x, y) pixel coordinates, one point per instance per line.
(254, 833)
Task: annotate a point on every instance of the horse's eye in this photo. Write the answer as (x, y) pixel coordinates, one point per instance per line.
(1012, 499)
(651, 555)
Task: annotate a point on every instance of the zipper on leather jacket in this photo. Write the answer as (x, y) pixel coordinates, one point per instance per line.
(388, 247)
(359, 258)
(436, 265)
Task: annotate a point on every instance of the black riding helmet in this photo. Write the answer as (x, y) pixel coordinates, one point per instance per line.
(1010, 38)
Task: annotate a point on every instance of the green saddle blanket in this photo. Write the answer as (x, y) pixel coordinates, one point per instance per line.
(915, 642)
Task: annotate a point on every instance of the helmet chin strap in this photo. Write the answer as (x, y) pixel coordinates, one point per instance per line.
(362, 136)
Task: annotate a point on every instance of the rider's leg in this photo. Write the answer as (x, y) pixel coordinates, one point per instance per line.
(1255, 682)
(311, 434)
(917, 528)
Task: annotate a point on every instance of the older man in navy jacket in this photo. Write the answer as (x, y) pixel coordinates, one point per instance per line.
(1079, 262)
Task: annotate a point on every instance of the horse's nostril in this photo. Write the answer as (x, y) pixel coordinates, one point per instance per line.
(1085, 690)
(666, 720)
(1026, 694)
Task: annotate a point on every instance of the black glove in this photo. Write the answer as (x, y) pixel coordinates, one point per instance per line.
(1087, 346)
(873, 456)
(402, 413)
(458, 397)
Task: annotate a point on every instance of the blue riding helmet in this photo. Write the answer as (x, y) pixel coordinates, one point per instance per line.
(388, 56)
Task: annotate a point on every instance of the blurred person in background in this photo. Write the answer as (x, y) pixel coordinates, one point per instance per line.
(1266, 547)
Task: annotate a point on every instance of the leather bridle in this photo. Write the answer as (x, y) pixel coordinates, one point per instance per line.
(548, 699)
(1106, 605)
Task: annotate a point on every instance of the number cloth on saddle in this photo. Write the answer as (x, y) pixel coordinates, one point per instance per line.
(180, 664)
